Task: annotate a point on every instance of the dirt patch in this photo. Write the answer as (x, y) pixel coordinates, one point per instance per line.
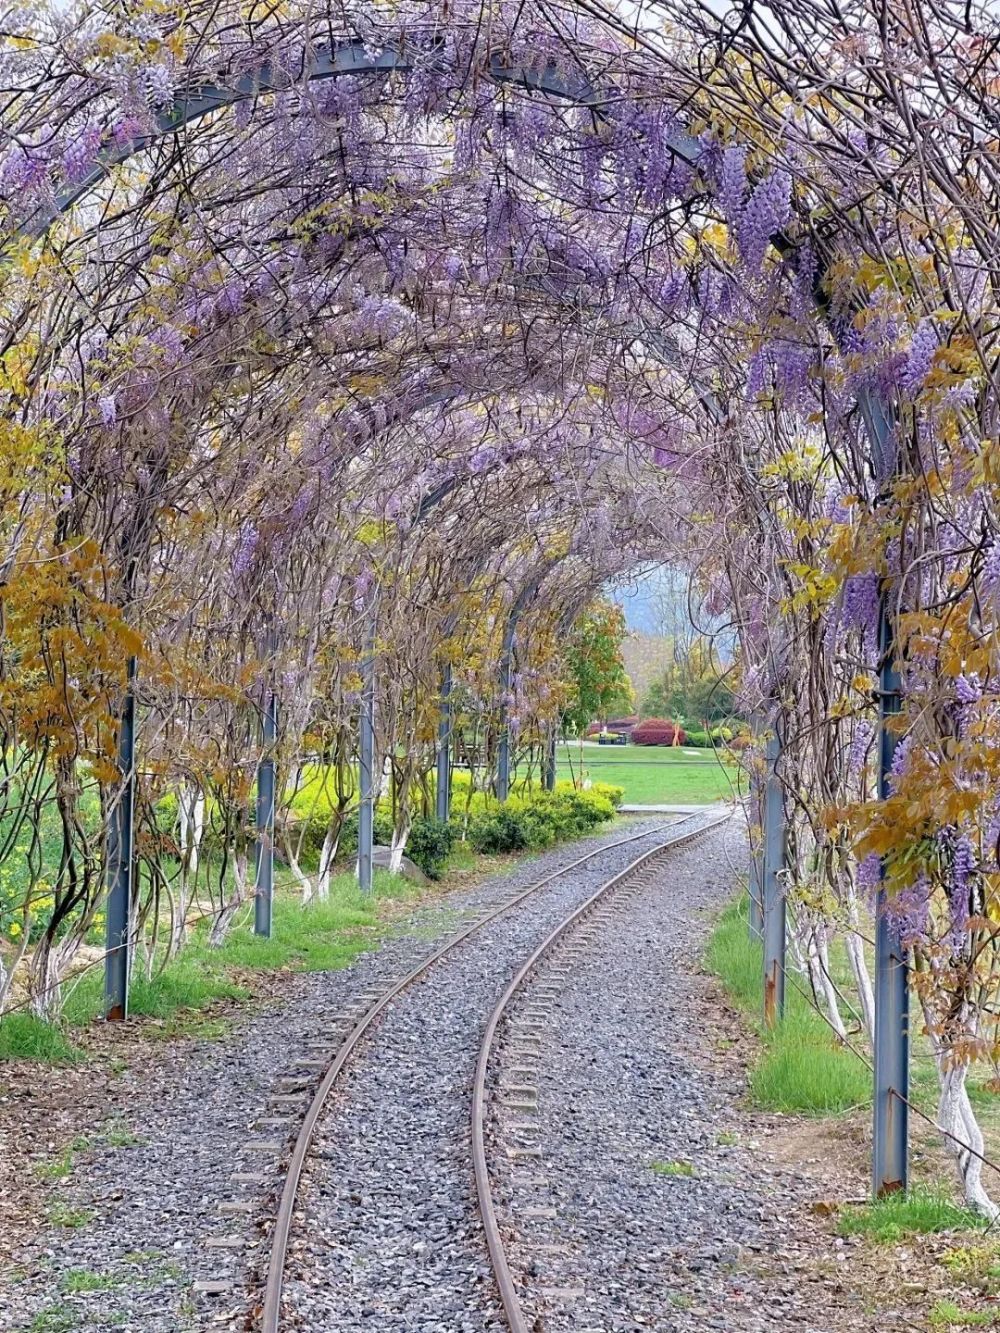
(852, 1284)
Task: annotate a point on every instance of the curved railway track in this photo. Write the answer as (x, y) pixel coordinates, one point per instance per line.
(271, 1316)
(494, 1238)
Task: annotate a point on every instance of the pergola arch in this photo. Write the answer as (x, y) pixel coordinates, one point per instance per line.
(355, 57)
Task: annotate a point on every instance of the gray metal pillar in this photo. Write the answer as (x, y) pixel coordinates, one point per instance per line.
(774, 891)
(443, 795)
(757, 894)
(264, 882)
(756, 880)
(506, 677)
(892, 987)
(549, 762)
(119, 865)
(366, 807)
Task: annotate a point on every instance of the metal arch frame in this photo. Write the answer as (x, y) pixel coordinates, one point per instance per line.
(352, 57)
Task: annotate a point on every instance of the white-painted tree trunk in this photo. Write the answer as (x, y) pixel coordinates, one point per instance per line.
(191, 830)
(400, 835)
(957, 1120)
(327, 856)
(48, 970)
(301, 878)
(223, 920)
(820, 961)
(809, 950)
(859, 966)
(963, 1137)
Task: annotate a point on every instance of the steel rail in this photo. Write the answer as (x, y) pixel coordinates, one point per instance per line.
(281, 1234)
(494, 1240)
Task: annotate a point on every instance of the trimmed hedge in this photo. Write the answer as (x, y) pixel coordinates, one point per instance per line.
(543, 818)
(657, 731)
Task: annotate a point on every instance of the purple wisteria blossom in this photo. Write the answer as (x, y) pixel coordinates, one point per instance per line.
(80, 156)
(157, 84)
(860, 742)
(869, 874)
(246, 549)
(908, 909)
(732, 183)
(921, 357)
(959, 861)
(861, 609)
(767, 212)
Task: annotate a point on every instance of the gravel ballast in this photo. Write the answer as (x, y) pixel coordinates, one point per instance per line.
(388, 1235)
(172, 1159)
(650, 1206)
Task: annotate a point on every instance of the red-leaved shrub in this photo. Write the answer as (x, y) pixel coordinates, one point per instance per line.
(657, 731)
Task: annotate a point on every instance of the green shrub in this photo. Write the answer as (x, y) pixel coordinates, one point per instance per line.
(502, 830)
(541, 818)
(698, 739)
(430, 844)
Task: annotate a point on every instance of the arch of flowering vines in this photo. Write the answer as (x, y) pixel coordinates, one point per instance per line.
(274, 290)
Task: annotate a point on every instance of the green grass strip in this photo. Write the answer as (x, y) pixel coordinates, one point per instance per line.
(801, 1066)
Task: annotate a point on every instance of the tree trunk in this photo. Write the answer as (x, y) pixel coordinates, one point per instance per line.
(191, 829)
(859, 965)
(962, 1134)
(820, 952)
(327, 856)
(223, 919)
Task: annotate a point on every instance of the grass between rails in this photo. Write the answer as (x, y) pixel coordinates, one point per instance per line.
(801, 1067)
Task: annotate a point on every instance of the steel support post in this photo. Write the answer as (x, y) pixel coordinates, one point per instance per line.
(443, 795)
(774, 890)
(892, 986)
(549, 763)
(756, 878)
(366, 807)
(756, 887)
(264, 879)
(506, 677)
(119, 865)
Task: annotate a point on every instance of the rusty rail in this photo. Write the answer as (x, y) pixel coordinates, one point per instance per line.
(494, 1240)
(280, 1236)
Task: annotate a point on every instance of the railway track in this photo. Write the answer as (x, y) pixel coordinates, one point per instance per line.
(506, 1283)
(272, 1312)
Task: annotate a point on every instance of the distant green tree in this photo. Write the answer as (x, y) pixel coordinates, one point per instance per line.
(690, 690)
(597, 685)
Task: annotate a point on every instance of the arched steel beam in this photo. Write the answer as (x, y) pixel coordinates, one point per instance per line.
(350, 57)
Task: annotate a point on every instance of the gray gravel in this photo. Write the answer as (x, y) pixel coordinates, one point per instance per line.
(388, 1236)
(172, 1145)
(649, 1208)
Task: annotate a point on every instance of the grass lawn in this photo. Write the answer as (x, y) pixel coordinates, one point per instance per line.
(800, 1067)
(651, 775)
